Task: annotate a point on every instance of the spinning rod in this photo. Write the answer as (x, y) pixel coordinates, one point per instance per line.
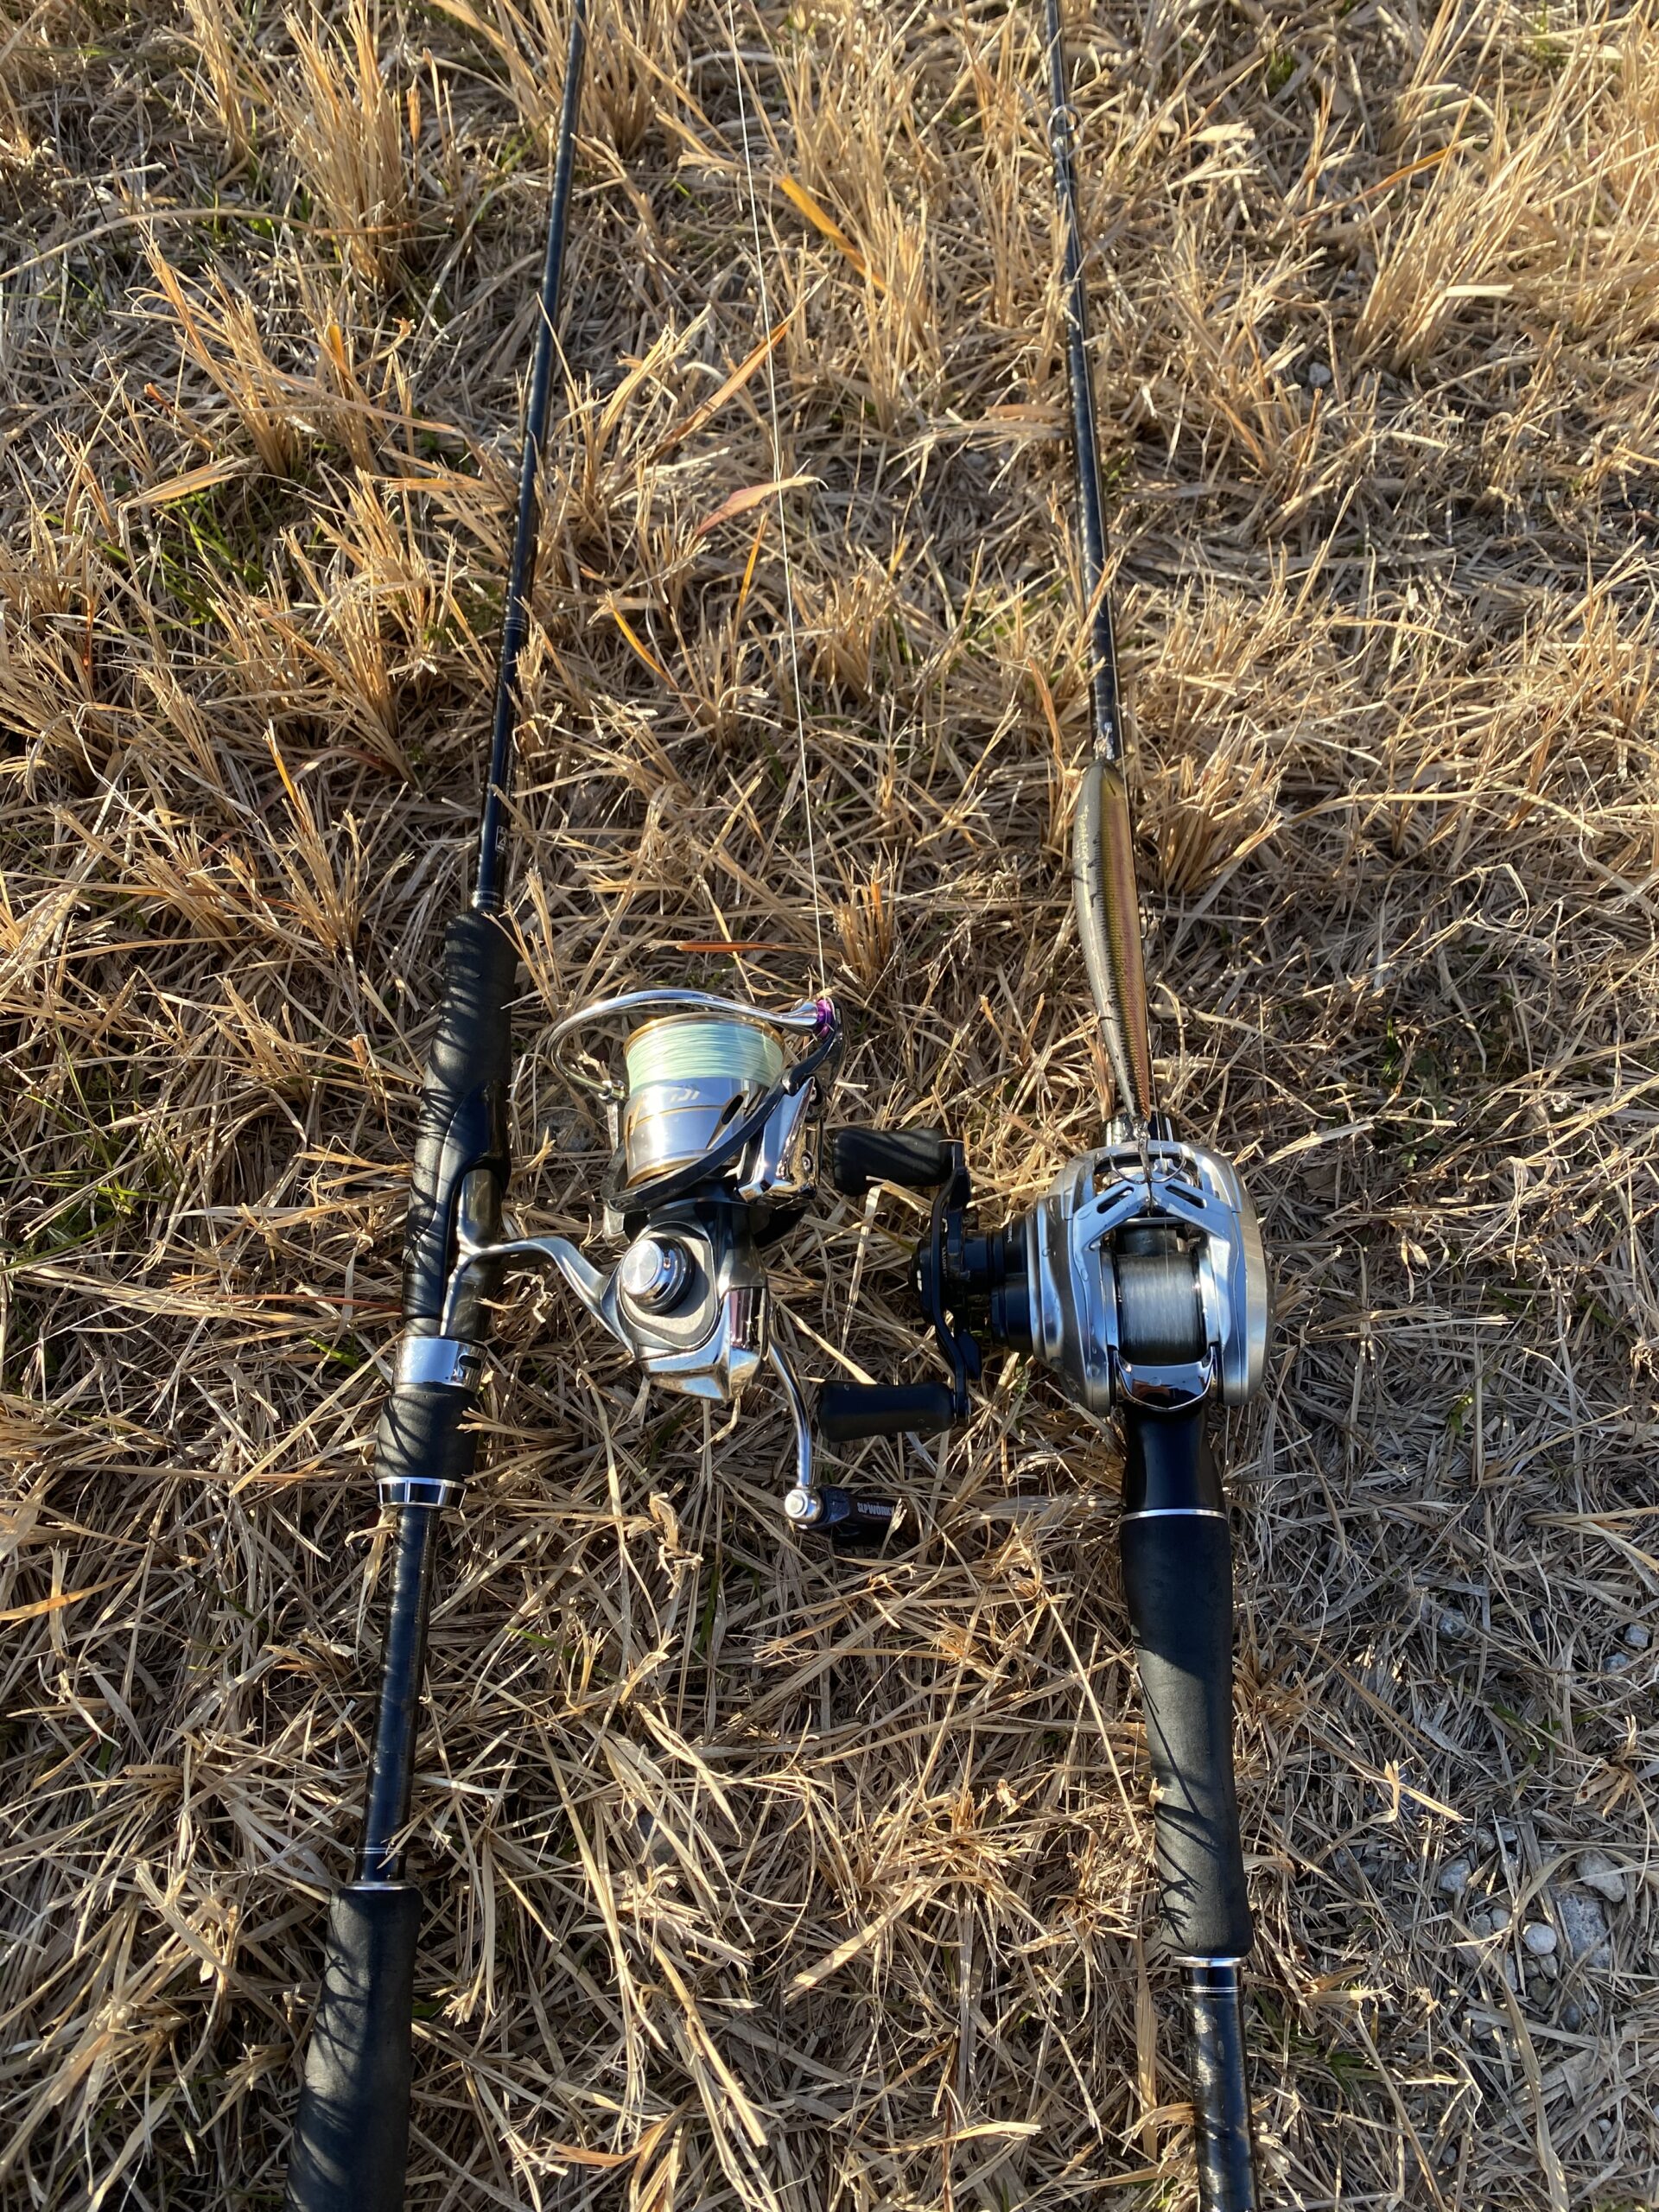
(351, 2138)
(716, 1118)
(1141, 1281)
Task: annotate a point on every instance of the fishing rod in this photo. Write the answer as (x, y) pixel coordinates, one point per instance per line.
(351, 2137)
(1141, 1281)
(716, 1120)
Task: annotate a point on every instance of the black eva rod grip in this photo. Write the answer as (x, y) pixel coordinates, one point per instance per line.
(420, 1434)
(848, 1410)
(351, 2140)
(463, 1122)
(1178, 1579)
(917, 1158)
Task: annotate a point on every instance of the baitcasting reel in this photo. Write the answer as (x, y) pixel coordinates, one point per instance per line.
(717, 1130)
(1140, 1279)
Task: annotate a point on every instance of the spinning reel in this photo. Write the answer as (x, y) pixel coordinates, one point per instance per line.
(716, 1121)
(1140, 1278)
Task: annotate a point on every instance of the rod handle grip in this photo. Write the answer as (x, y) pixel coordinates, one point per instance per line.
(849, 1410)
(916, 1160)
(463, 1120)
(351, 2140)
(1178, 1580)
(421, 1437)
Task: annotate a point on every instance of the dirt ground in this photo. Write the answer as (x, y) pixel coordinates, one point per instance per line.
(750, 1881)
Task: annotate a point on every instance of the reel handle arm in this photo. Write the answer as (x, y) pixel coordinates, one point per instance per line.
(1177, 1555)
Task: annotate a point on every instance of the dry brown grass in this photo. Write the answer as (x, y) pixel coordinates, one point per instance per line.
(751, 1881)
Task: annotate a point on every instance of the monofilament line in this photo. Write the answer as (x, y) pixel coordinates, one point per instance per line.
(777, 476)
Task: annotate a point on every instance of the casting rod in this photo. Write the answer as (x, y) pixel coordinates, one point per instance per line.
(1176, 1544)
(1140, 1279)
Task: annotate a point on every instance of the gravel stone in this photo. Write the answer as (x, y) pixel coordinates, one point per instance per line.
(1455, 1877)
(1539, 1938)
(1638, 1635)
(1585, 1924)
(1318, 375)
(1598, 1872)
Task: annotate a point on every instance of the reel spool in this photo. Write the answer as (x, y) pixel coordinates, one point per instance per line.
(688, 1077)
(716, 1117)
(708, 1093)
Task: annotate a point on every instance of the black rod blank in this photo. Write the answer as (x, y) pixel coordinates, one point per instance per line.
(391, 1765)
(1085, 443)
(521, 573)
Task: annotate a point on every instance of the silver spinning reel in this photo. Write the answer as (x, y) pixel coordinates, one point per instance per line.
(717, 1126)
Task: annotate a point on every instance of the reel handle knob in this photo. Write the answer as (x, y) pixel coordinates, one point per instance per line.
(849, 1410)
(855, 1523)
(915, 1159)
